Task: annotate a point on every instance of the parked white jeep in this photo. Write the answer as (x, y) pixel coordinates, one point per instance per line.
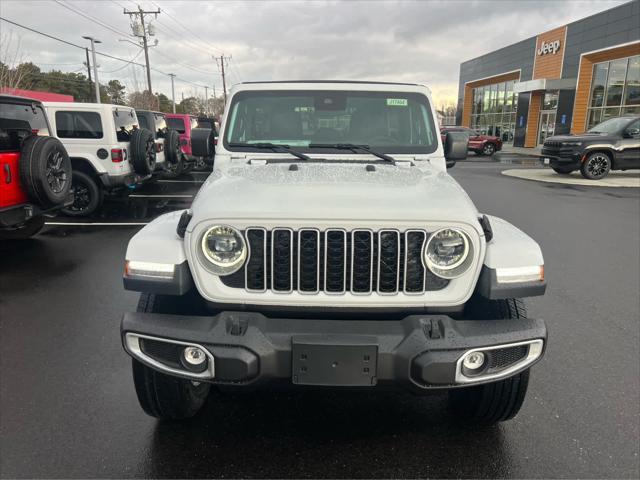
(107, 148)
(330, 247)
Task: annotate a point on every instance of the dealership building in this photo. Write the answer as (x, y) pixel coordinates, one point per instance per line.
(563, 80)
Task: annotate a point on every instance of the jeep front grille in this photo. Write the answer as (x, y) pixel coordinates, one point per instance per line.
(335, 261)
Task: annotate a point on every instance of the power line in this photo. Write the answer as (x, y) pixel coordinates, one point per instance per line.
(126, 64)
(41, 33)
(90, 18)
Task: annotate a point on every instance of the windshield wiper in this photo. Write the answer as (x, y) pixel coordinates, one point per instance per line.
(354, 148)
(274, 147)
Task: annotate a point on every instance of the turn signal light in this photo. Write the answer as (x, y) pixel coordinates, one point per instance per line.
(117, 155)
(520, 274)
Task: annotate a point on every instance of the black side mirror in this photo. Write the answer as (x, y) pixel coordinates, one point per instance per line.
(631, 133)
(456, 145)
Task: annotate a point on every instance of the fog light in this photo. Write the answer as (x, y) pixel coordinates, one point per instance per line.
(473, 360)
(194, 359)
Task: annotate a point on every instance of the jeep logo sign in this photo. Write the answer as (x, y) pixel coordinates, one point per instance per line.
(551, 47)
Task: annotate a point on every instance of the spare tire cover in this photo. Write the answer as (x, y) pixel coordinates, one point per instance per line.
(143, 151)
(45, 170)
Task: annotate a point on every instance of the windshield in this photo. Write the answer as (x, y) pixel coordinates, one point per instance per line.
(613, 125)
(390, 122)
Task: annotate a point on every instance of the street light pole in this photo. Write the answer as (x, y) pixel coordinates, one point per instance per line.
(95, 65)
(206, 101)
(173, 93)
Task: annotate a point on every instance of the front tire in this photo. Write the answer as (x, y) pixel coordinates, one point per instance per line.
(488, 149)
(596, 166)
(498, 401)
(160, 395)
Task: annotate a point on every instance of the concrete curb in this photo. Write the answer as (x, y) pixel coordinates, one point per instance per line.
(628, 179)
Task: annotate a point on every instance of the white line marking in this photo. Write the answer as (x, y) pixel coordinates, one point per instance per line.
(137, 195)
(180, 181)
(110, 224)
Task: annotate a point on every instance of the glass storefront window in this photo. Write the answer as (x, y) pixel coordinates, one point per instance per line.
(493, 111)
(500, 104)
(598, 84)
(615, 82)
(550, 101)
(632, 85)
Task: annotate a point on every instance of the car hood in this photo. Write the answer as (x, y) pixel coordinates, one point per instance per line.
(583, 137)
(331, 192)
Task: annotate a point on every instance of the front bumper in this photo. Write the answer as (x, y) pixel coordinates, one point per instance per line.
(419, 352)
(560, 158)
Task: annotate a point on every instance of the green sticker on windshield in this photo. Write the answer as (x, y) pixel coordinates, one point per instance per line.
(396, 102)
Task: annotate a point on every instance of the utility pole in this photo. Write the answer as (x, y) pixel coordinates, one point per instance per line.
(88, 64)
(222, 62)
(206, 101)
(182, 102)
(173, 92)
(141, 31)
(95, 65)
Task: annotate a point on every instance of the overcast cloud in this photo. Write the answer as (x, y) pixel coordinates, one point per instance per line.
(416, 41)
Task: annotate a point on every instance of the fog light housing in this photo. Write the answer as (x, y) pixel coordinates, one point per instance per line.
(194, 359)
(474, 361)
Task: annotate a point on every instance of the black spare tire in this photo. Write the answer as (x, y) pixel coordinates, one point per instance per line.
(201, 142)
(143, 151)
(172, 150)
(45, 170)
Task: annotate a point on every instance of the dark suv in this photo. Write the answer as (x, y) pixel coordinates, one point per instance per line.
(611, 145)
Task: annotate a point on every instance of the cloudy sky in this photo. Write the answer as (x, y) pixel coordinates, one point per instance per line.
(416, 41)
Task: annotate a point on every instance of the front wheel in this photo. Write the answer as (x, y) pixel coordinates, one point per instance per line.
(596, 166)
(490, 403)
(160, 395)
(498, 401)
(488, 149)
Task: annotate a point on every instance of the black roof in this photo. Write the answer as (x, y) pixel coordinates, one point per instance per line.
(363, 82)
(4, 98)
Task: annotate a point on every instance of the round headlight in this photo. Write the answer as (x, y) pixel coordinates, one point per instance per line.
(224, 248)
(447, 253)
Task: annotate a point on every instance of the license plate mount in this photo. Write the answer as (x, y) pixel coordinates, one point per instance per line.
(333, 361)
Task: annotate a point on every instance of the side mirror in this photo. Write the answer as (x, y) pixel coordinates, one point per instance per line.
(202, 144)
(456, 145)
(631, 133)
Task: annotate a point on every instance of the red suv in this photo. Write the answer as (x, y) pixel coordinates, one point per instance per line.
(480, 144)
(182, 123)
(35, 170)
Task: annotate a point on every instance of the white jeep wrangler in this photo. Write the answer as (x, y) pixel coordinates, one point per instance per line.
(107, 148)
(329, 247)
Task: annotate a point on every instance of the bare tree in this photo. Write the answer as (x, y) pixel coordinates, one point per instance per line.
(11, 57)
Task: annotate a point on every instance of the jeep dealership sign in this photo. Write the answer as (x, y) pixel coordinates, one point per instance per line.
(549, 47)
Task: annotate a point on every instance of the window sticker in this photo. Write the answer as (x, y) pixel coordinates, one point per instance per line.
(396, 102)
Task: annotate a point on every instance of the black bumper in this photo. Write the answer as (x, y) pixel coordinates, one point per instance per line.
(420, 351)
(19, 214)
(561, 159)
(126, 180)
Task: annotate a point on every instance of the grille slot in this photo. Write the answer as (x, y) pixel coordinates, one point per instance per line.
(505, 357)
(308, 261)
(335, 268)
(282, 260)
(335, 261)
(388, 261)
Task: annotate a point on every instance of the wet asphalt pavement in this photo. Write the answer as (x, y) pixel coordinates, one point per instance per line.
(68, 407)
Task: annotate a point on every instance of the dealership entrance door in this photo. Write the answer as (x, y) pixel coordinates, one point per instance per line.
(547, 125)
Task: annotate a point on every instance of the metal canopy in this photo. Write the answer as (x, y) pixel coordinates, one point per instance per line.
(545, 84)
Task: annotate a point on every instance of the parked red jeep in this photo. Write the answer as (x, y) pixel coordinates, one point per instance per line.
(480, 144)
(182, 123)
(35, 170)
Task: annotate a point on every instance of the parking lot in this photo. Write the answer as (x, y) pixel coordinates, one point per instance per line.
(68, 407)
